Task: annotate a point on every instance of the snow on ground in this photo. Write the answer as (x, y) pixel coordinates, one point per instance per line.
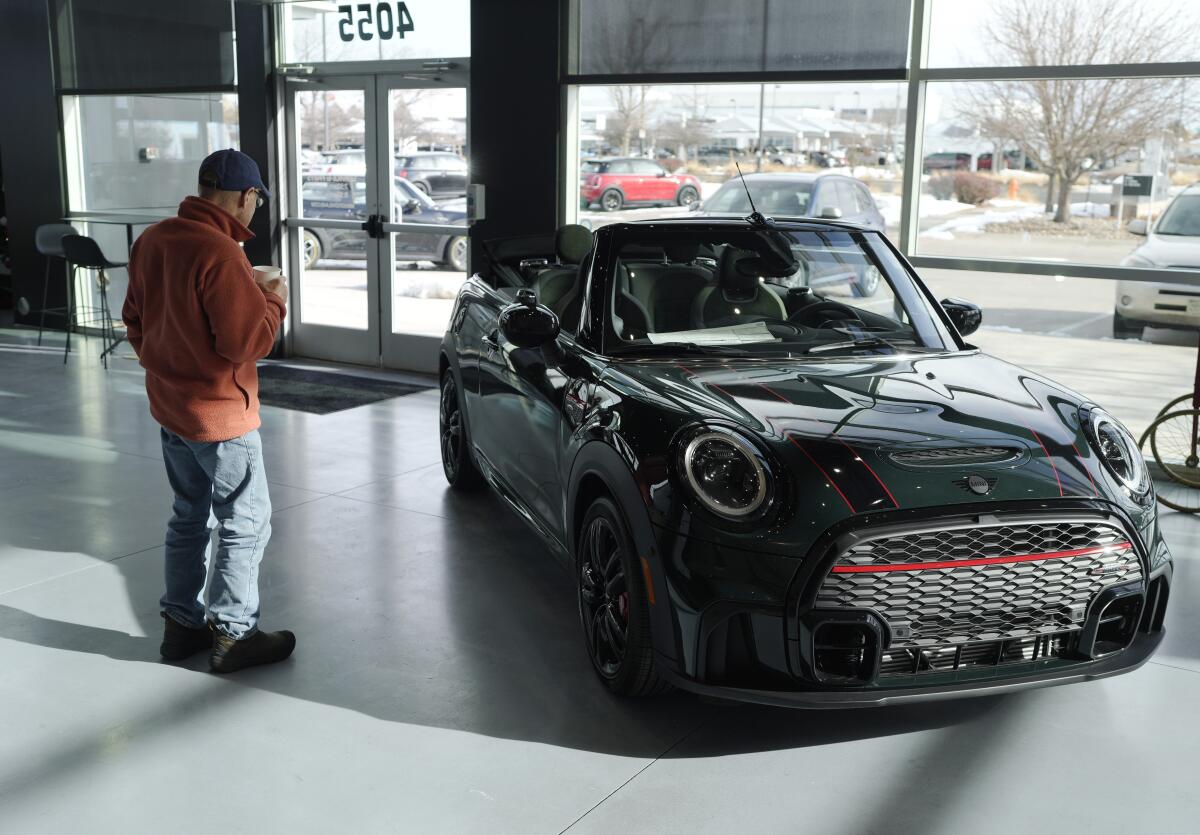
(974, 223)
(889, 205)
(1091, 210)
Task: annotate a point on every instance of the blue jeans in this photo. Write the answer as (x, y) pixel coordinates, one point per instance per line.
(224, 480)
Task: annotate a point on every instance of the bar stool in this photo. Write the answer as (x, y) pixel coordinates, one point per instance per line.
(48, 239)
(84, 253)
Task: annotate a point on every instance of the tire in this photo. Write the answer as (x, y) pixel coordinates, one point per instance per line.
(311, 249)
(687, 196)
(1126, 328)
(422, 186)
(1175, 444)
(613, 611)
(867, 284)
(612, 200)
(455, 254)
(457, 464)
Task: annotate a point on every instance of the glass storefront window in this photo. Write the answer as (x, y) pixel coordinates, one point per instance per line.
(669, 150)
(1028, 33)
(139, 154)
(1044, 169)
(321, 32)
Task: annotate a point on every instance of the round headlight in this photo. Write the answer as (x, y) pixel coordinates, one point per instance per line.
(726, 473)
(1118, 450)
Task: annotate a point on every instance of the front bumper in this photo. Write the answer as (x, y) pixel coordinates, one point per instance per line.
(741, 627)
(1127, 660)
(1166, 305)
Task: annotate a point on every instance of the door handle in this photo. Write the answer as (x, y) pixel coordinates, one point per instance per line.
(492, 340)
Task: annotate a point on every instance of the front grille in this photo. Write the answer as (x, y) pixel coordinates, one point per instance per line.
(952, 456)
(945, 588)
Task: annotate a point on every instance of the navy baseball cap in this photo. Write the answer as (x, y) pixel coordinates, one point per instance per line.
(231, 170)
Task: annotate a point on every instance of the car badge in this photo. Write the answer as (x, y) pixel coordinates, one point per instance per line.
(979, 485)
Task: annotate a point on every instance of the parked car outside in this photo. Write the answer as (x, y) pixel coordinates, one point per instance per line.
(946, 161)
(343, 197)
(438, 174)
(822, 196)
(633, 181)
(1173, 242)
(827, 159)
(773, 494)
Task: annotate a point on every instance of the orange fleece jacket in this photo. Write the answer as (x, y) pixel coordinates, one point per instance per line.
(198, 322)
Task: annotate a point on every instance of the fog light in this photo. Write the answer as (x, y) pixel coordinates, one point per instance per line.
(1126, 301)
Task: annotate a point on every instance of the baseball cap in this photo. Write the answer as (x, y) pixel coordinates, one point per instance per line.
(231, 170)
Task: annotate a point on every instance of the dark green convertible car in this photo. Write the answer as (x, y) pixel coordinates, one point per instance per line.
(769, 488)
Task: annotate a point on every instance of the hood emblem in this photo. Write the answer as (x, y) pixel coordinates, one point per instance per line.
(976, 484)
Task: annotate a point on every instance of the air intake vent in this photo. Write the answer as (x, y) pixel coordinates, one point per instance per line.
(955, 456)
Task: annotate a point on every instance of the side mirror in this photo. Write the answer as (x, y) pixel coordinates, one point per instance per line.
(694, 206)
(528, 324)
(965, 315)
(830, 213)
(1137, 227)
(410, 207)
(661, 173)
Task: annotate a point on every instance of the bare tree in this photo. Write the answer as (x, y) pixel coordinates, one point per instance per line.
(629, 118)
(322, 119)
(1066, 125)
(406, 124)
(690, 128)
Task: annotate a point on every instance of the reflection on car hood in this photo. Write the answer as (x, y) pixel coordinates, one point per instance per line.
(838, 425)
(457, 204)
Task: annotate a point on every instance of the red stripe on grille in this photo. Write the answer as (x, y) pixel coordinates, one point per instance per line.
(925, 566)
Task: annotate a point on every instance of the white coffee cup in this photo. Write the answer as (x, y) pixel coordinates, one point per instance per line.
(267, 273)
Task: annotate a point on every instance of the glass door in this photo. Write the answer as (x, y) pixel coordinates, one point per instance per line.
(377, 222)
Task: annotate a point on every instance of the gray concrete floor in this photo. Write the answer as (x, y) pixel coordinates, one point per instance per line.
(440, 684)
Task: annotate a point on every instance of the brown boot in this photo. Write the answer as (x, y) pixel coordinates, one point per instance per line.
(180, 642)
(229, 656)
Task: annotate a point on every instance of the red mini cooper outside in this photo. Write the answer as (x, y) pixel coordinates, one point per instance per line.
(629, 181)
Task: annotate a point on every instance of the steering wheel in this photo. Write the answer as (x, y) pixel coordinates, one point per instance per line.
(822, 313)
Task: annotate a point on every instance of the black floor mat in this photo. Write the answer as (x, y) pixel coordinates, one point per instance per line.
(322, 392)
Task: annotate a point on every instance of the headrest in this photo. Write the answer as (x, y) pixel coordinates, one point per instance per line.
(738, 285)
(572, 243)
(683, 252)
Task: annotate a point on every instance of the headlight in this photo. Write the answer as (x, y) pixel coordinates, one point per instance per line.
(725, 473)
(1118, 450)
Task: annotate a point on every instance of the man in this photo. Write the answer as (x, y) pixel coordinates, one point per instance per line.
(199, 317)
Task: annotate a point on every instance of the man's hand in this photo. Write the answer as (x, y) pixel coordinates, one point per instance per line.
(278, 286)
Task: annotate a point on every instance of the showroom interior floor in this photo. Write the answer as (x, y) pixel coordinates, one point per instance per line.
(439, 684)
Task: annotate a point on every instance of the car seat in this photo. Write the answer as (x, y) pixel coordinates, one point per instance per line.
(674, 292)
(560, 287)
(738, 298)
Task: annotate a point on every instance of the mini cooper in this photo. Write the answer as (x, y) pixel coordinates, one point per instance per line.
(770, 488)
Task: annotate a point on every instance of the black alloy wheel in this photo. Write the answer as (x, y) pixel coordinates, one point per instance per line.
(687, 196)
(460, 470)
(612, 604)
(611, 200)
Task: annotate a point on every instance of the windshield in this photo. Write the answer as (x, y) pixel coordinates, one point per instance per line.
(775, 198)
(764, 292)
(1182, 217)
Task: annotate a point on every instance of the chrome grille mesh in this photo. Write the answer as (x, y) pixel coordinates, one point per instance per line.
(959, 586)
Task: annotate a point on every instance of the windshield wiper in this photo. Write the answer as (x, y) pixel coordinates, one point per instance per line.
(863, 342)
(680, 348)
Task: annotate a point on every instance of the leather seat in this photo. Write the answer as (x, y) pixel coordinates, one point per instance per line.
(738, 298)
(560, 287)
(674, 292)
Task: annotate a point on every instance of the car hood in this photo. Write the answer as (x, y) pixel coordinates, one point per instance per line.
(1171, 250)
(863, 434)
